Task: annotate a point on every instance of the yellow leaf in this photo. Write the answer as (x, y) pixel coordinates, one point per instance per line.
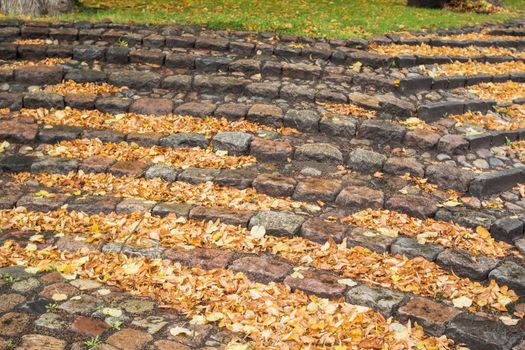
(30, 247)
(462, 302)
(483, 232)
(112, 312)
(59, 297)
(215, 316)
(176, 331)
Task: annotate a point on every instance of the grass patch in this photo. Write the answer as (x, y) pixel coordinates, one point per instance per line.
(320, 18)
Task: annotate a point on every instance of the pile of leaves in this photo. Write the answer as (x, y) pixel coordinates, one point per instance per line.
(204, 194)
(417, 275)
(446, 234)
(31, 42)
(427, 50)
(348, 109)
(477, 6)
(460, 37)
(124, 151)
(501, 92)
(474, 68)
(140, 123)
(72, 87)
(259, 311)
(517, 149)
(508, 118)
(50, 61)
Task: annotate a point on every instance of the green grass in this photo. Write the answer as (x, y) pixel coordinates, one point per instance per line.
(318, 18)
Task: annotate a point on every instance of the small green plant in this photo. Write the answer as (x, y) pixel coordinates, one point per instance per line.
(511, 307)
(51, 307)
(9, 278)
(92, 342)
(439, 296)
(116, 325)
(508, 142)
(122, 43)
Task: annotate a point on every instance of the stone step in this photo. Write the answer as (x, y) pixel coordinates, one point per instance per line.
(434, 315)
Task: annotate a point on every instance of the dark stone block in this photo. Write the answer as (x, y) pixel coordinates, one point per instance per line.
(17, 162)
(481, 333)
(434, 111)
(507, 229)
(495, 182)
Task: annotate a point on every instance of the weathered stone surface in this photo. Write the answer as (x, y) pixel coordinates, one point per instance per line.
(114, 105)
(9, 301)
(270, 150)
(162, 171)
(343, 126)
(372, 240)
(13, 323)
(449, 177)
(319, 152)
(453, 144)
(511, 274)
(266, 114)
(58, 288)
(239, 178)
(263, 269)
(366, 161)
(507, 229)
(184, 140)
(54, 165)
(130, 205)
(39, 75)
(25, 286)
(166, 208)
(128, 168)
(196, 109)
(417, 206)
(138, 306)
(275, 185)
(58, 133)
(93, 204)
(89, 326)
(140, 80)
(381, 131)
(381, 299)
(196, 176)
(421, 138)
(410, 248)
(320, 231)
(35, 202)
(303, 120)
(496, 181)
(278, 223)
(235, 143)
(431, 315)
(129, 339)
(463, 263)
(482, 334)
(14, 130)
(39, 341)
(43, 100)
(316, 282)
(96, 164)
(225, 215)
(207, 258)
(317, 190)
(17, 162)
(360, 197)
(403, 165)
(155, 106)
